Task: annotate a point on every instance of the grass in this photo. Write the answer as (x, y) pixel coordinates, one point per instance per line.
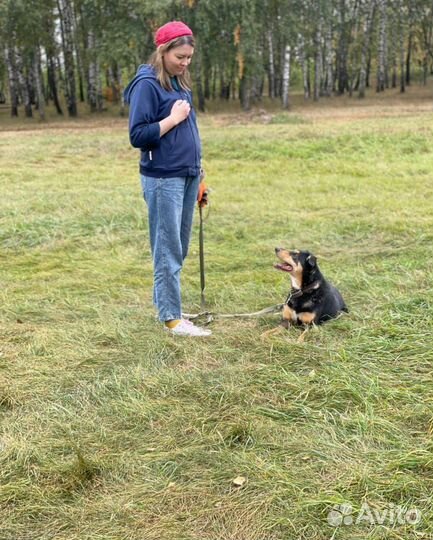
(113, 430)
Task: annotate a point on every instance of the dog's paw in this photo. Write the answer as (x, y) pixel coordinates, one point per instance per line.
(272, 332)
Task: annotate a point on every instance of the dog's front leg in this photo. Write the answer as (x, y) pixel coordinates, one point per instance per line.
(307, 318)
(284, 325)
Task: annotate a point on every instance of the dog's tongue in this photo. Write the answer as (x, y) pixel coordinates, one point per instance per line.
(285, 267)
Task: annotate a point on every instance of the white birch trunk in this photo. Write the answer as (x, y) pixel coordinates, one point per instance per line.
(271, 66)
(13, 80)
(286, 77)
(401, 50)
(66, 20)
(381, 52)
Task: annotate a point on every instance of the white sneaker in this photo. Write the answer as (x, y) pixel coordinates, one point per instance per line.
(187, 328)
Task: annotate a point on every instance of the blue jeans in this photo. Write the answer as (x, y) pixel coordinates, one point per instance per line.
(171, 203)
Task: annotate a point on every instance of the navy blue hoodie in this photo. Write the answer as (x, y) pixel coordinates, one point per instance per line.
(178, 152)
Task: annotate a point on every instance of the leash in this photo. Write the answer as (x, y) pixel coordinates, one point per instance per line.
(201, 254)
(211, 316)
(201, 248)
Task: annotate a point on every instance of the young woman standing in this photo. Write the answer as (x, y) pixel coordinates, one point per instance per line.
(162, 123)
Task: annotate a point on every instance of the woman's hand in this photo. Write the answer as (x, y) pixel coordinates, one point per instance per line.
(180, 111)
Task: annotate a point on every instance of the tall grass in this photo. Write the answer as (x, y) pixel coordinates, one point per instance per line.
(112, 429)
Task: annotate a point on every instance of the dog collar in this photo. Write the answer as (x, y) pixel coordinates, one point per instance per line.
(296, 293)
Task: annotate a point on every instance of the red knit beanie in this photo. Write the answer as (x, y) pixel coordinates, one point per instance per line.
(171, 30)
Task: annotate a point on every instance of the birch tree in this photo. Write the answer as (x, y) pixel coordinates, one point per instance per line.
(368, 17)
(66, 20)
(286, 76)
(318, 67)
(36, 65)
(382, 47)
(13, 79)
(342, 48)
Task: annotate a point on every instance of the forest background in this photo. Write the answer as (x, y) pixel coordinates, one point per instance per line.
(67, 52)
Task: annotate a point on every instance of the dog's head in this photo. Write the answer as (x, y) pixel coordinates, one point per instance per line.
(301, 265)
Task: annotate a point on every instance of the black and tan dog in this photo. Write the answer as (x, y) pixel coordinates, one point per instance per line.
(312, 299)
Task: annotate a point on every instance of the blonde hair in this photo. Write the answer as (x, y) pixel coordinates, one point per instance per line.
(157, 61)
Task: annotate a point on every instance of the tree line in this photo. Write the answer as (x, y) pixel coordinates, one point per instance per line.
(63, 52)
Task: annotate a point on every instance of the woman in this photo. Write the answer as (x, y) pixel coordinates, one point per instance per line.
(162, 124)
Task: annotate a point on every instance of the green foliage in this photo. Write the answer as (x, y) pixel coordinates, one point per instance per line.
(232, 37)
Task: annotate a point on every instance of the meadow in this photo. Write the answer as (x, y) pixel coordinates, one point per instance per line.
(114, 430)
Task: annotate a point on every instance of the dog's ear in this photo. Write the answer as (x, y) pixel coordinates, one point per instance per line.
(311, 261)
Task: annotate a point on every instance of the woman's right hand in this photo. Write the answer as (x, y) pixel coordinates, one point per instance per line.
(180, 111)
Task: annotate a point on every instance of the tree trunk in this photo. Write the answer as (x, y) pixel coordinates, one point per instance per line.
(367, 82)
(317, 63)
(286, 77)
(92, 83)
(328, 62)
(225, 87)
(23, 83)
(122, 97)
(271, 65)
(244, 94)
(207, 77)
(38, 82)
(81, 76)
(66, 24)
(425, 69)
(402, 73)
(427, 42)
(394, 40)
(112, 78)
(233, 80)
(409, 58)
(255, 86)
(79, 32)
(342, 51)
(31, 84)
(199, 84)
(394, 71)
(99, 97)
(366, 42)
(381, 53)
(13, 80)
(304, 65)
(52, 84)
(214, 83)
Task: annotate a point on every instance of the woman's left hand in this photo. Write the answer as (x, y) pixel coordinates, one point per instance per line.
(202, 194)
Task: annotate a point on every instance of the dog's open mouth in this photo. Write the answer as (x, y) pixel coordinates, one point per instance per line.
(285, 267)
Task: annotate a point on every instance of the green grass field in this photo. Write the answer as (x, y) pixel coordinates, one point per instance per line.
(114, 430)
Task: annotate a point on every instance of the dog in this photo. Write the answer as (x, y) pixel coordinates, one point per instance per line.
(312, 300)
